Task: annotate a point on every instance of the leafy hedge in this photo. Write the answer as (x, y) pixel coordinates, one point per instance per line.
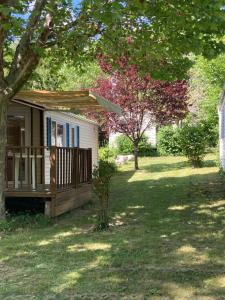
(168, 141)
(189, 140)
(193, 142)
(125, 146)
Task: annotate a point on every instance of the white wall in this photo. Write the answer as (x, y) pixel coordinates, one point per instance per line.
(150, 133)
(88, 134)
(222, 135)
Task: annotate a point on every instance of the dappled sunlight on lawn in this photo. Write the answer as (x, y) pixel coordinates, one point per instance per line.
(68, 281)
(216, 282)
(166, 241)
(190, 255)
(178, 291)
(218, 204)
(178, 207)
(88, 246)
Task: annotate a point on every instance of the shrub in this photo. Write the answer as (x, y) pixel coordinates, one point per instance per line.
(193, 142)
(106, 153)
(145, 148)
(168, 141)
(125, 146)
(211, 131)
(101, 178)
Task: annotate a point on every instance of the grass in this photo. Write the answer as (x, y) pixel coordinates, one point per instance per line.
(166, 242)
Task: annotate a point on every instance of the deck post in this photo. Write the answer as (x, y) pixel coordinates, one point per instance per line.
(76, 166)
(53, 160)
(89, 175)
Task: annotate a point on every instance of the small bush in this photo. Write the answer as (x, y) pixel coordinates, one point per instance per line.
(101, 178)
(125, 146)
(145, 148)
(107, 153)
(211, 131)
(193, 142)
(23, 221)
(168, 141)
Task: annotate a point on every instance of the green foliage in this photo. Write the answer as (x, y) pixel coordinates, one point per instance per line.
(145, 148)
(193, 142)
(206, 83)
(211, 131)
(22, 221)
(106, 153)
(65, 76)
(168, 141)
(189, 140)
(101, 178)
(125, 146)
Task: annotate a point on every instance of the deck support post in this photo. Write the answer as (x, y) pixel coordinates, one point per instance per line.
(53, 160)
(76, 167)
(89, 164)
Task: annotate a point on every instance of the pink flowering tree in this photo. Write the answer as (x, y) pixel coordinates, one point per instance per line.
(144, 101)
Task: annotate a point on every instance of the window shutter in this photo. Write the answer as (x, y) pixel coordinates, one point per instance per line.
(67, 134)
(49, 132)
(78, 136)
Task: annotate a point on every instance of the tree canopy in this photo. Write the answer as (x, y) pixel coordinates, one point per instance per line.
(207, 79)
(158, 35)
(66, 76)
(144, 101)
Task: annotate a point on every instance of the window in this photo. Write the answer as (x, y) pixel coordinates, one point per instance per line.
(53, 137)
(72, 137)
(60, 135)
(16, 130)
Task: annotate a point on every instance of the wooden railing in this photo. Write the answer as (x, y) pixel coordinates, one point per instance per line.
(70, 167)
(47, 168)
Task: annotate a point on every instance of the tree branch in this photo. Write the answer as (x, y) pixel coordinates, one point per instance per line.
(24, 48)
(2, 39)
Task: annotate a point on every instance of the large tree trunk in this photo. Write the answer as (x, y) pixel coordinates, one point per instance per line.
(3, 139)
(136, 156)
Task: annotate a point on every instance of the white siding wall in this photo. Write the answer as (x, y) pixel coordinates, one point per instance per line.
(222, 135)
(88, 135)
(150, 133)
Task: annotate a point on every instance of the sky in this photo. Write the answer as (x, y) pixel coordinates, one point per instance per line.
(76, 2)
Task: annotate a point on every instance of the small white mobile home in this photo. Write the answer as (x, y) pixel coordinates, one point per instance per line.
(50, 151)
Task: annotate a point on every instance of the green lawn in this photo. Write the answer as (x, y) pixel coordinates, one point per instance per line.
(167, 241)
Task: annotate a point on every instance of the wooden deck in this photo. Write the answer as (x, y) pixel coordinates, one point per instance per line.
(68, 185)
(28, 191)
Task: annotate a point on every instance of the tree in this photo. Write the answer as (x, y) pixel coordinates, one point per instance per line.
(207, 78)
(159, 33)
(66, 76)
(143, 100)
(102, 175)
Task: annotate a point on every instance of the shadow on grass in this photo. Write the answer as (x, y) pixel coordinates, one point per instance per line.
(171, 244)
(165, 167)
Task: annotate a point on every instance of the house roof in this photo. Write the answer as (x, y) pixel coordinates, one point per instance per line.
(68, 101)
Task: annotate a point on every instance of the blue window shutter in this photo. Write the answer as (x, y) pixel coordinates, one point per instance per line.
(67, 134)
(78, 136)
(74, 137)
(49, 132)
